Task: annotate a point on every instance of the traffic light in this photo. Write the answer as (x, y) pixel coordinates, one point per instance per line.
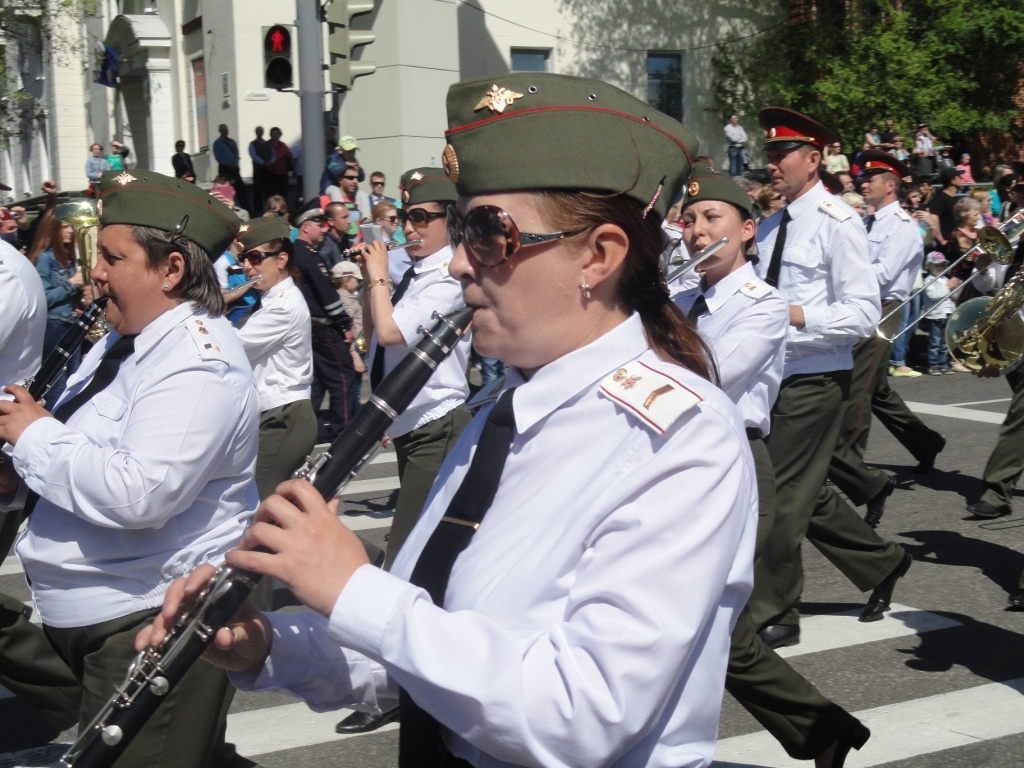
(343, 39)
(277, 57)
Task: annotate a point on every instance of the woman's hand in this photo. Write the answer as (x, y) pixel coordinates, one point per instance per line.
(357, 363)
(312, 552)
(76, 279)
(242, 646)
(374, 261)
(17, 415)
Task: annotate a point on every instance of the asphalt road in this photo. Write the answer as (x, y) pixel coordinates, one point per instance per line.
(940, 681)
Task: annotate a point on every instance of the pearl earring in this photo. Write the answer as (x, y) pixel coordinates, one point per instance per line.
(585, 290)
(167, 287)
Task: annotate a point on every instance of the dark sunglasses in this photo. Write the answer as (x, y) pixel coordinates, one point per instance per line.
(390, 219)
(418, 217)
(256, 257)
(490, 235)
(350, 178)
(376, 183)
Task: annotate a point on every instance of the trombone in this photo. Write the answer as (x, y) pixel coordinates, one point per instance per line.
(997, 242)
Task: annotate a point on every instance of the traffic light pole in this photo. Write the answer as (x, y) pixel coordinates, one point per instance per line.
(311, 93)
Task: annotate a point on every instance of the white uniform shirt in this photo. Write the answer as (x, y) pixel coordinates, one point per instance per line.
(588, 621)
(278, 339)
(826, 271)
(148, 479)
(746, 325)
(896, 251)
(22, 317)
(432, 290)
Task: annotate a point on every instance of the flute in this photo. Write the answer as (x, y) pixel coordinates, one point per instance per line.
(390, 245)
(156, 670)
(241, 289)
(700, 256)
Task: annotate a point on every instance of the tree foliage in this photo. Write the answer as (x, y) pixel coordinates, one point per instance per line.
(32, 33)
(852, 63)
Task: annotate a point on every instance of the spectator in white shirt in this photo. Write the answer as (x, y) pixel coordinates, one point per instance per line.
(737, 138)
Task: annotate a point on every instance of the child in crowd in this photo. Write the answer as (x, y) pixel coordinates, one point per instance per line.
(938, 307)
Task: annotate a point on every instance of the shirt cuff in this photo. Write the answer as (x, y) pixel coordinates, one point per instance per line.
(365, 608)
(31, 449)
(815, 320)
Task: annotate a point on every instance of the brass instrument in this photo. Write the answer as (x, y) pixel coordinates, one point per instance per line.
(81, 216)
(997, 242)
(362, 345)
(989, 331)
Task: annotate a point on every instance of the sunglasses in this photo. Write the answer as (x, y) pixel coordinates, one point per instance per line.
(491, 237)
(390, 219)
(376, 183)
(256, 257)
(350, 178)
(418, 217)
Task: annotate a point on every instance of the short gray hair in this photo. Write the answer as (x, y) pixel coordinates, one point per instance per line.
(964, 207)
(199, 285)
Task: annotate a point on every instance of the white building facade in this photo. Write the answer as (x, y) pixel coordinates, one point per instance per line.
(188, 66)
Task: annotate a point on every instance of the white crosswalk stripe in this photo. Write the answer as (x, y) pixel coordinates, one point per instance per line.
(955, 412)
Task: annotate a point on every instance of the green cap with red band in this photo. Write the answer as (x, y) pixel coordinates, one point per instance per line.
(150, 199)
(533, 131)
(427, 185)
(257, 232)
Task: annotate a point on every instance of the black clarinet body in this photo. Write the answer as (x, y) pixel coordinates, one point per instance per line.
(57, 361)
(156, 670)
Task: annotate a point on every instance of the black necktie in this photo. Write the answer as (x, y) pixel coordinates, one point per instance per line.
(106, 372)
(700, 306)
(377, 371)
(772, 278)
(869, 222)
(420, 743)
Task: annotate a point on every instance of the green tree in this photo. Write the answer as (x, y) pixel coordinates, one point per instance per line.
(852, 63)
(34, 32)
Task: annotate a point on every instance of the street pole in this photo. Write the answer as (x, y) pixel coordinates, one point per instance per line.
(311, 93)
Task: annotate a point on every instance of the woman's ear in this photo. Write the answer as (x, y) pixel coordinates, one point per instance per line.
(174, 269)
(608, 246)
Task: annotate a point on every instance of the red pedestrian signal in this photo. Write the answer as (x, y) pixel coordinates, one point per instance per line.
(277, 57)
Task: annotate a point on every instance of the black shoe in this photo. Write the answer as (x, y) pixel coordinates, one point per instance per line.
(881, 596)
(855, 738)
(780, 635)
(924, 466)
(876, 507)
(986, 510)
(1017, 601)
(363, 722)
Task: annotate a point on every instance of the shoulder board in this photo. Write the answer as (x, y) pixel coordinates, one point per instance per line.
(657, 399)
(443, 268)
(487, 394)
(276, 300)
(833, 210)
(755, 289)
(204, 339)
(902, 214)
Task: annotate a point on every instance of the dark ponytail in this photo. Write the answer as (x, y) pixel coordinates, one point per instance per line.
(641, 287)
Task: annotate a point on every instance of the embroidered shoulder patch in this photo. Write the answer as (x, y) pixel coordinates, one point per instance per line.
(277, 300)
(204, 339)
(835, 211)
(656, 398)
(755, 289)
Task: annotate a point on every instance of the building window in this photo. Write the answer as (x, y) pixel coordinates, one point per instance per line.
(530, 59)
(665, 83)
(199, 103)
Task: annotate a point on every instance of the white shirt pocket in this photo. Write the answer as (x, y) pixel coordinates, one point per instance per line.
(109, 405)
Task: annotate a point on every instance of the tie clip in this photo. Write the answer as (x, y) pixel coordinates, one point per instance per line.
(457, 521)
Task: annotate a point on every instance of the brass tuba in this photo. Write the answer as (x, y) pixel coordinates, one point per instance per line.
(81, 216)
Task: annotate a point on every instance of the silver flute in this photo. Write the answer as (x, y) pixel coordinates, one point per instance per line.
(698, 258)
(390, 245)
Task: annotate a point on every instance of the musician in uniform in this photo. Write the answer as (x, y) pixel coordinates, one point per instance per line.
(746, 321)
(815, 252)
(896, 252)
(568, 594)
(278, 341)
(333, 369)
(29, 667)
(144, 469)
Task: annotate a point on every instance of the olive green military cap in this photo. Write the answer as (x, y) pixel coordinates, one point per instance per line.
(150, 199)
(706, 183)
(427, 185)
(260, 231)
(540, 131)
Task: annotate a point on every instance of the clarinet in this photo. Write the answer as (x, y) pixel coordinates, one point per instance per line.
(56, 362)
(156, 670)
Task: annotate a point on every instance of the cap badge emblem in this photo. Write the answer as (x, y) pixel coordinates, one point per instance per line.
(416, 176)
(497, 99)
(450, 163)
(405, 195)
(693, 189)
(243, 229)
(771, 134)
(124, 178)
